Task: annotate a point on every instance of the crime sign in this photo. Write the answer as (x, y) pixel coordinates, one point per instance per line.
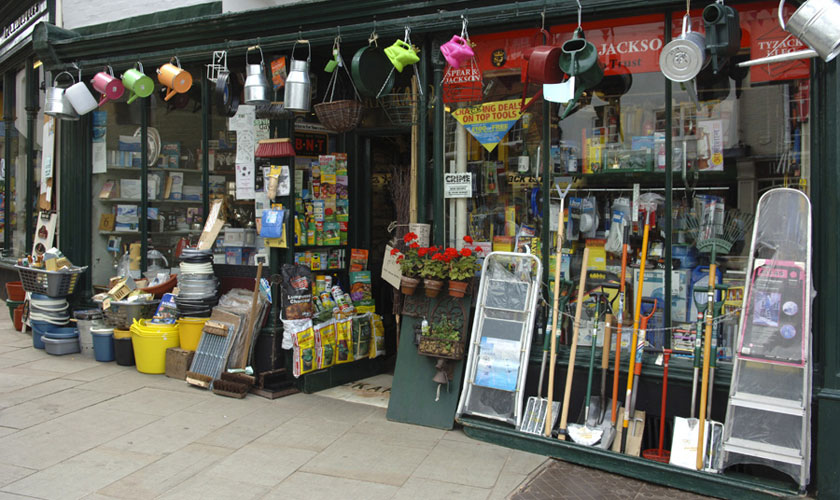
(490, 122)
(457, 185)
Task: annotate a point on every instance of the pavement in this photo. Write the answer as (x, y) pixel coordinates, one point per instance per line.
(72, 427)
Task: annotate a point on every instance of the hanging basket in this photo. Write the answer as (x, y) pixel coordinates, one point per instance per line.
(437, 348)
(463, 87)
(400, 108)
(340, 116)
(344, 114)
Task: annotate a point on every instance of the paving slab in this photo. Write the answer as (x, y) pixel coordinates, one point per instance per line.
(152, 401)
(308, 486)
(356, 456)
(261, 464)
(169, 433)
(379, 427)
(80, 475)
(165, 474)
(311, 432)
(248, 427)
(206, 486)
(11, 473)
(49, 407)
(417, 487)
(36, 391)
(464, 463)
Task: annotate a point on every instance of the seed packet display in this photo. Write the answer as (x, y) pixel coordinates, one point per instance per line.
(361, 291)
(325, 344)
(377, 344)
(343, 341)
(361, 336)
(296, 288)
(303, 350)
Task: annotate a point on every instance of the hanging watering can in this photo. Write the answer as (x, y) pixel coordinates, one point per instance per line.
(136, 81)
(543, 67)
(723, 33)
(56, 103)
(401, 54)
(108, 85)
(80, 97)
(257, 90)
(579, 58)
(297, 95)
(815, 22)
(457, 51)
(174, 78)
(683, 57)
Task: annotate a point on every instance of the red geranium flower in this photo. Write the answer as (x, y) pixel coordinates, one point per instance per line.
(400, 258)
(422, 252)
(394, 251)
(409, 237)
(414, 245)
(466, 252)
(479, 250)
(468, 239)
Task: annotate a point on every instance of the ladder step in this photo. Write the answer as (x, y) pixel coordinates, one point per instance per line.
(782, 454)
(767, 403)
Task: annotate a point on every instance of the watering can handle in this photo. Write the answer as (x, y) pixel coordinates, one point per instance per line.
(545, 34)
(177, 61)
(55, 80)
(140, 65)
(781, 15)
(308, 57)
(686, 28)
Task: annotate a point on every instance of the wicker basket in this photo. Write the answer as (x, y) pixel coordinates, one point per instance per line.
(437, 348)
(49, 283)
(400, 108)
(340, 116)
(121, 314)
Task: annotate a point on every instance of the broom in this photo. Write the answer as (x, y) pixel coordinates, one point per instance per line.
(274, 148)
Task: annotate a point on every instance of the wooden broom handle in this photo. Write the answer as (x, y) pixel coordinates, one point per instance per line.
(564, 415)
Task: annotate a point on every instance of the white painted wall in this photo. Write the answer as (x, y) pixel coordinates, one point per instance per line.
(76, 13)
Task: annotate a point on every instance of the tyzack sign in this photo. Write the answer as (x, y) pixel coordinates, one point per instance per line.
(491, 121)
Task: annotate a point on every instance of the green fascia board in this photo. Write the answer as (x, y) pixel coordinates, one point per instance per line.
(282, 25)
(738, 487)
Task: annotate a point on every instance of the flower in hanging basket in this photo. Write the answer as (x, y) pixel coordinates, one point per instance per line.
(443, 340)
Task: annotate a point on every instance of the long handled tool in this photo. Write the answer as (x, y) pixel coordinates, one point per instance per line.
(605, 417)
(619, 325)
(634, 339)
(564, 416)
(589, 433)
(555, 313)
(698, 348)
(660, 454)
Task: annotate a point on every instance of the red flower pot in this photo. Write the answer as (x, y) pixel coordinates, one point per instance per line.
(432, 287)
(457, 288)
(408, 285)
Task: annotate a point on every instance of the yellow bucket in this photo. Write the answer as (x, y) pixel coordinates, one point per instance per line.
(150, 342)
(189, 330)
(122, 334)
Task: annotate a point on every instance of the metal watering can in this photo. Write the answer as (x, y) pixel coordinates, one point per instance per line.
(683, 57)
(457, 51)
(108, 85)
(401, 54)
(297, 94)
(257, 90)
(56, 103)
(542, 66)
(136, 81)
(579, 59)
(176, 79)
(815, 23)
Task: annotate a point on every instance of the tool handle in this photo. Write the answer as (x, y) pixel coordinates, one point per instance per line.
(619, 321)
(564, 415)
(605, 351)
(554, 315)
(667, 354)
(707, 351)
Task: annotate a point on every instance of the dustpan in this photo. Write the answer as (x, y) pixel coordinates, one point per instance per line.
(684, 444)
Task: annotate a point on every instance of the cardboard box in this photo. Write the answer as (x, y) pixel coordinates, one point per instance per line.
(654, 286)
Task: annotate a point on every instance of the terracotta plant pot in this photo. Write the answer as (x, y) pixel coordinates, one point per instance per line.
(432, 287)
(457, 288)
(408, 285)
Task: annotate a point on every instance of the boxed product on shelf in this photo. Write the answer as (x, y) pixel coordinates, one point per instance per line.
(238, 255)
(654, 286)
(170, 155)
(358, 259)
(240, 237)
(110, 189)
(192, 193)
(174, 186)
(129, 143)
(131, 189)
(127, 218)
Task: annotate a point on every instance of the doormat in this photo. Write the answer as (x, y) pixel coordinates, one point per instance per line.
(374, 391)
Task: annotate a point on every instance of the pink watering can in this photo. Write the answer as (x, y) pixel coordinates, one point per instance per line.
(457, 51)
(108, 85)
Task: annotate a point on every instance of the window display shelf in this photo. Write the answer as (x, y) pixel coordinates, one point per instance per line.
(184, 202)
(177, 232)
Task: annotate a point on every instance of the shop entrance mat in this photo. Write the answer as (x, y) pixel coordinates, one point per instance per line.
(374, 391)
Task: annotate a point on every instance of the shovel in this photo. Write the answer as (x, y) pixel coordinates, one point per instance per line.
(589, 433)
(605, 415)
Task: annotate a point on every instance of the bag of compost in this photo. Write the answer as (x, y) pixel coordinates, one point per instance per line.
(296, 291)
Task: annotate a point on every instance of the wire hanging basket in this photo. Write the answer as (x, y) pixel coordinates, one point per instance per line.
(344, 114)
(401, 105)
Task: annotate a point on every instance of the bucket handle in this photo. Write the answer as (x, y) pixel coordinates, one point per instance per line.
(309, 56)
(55, 80)
(781, 15)
(262, 57)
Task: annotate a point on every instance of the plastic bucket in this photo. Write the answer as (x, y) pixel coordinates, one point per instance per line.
(15, 291)
(189, 330)
(37, 337)
(12, 305)
(86, 321)
(150, 341)
(123, 351)
(19, 318)
(103, 344)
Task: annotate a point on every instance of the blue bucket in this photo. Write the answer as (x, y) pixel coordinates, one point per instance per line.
(103, 345)
(37, 338)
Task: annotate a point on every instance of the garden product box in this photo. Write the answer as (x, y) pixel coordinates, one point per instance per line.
(654, 286)
(238, 255)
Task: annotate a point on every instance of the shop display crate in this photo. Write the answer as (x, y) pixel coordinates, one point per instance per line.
(50, 283)
(121, 314)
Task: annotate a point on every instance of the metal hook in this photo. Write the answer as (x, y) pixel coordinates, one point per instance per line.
(373, 36)
(338, 37)
(580, 9)
(407, 37)
(542, 18)
(464, 23)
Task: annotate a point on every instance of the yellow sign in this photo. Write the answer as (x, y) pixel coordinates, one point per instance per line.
(490, 122)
